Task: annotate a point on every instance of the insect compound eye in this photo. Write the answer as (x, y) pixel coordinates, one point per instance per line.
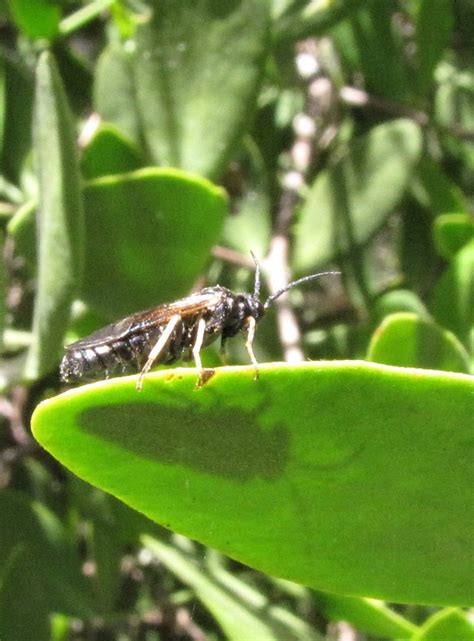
(254, 308)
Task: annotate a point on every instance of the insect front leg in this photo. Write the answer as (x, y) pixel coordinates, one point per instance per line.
(250, 324)
(158, 348)
(198, 341)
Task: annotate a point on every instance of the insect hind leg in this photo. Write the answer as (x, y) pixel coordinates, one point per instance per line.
(250, 324)
(222, 350)
(158, 348)
(204, 375)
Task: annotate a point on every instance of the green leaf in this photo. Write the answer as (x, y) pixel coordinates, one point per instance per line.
(406, 340)
(314, 19)
(454, 109)
(225, 597)
(454, 99)
(3, 291)
(376, 40)
(368, 615)
(446, 624)
(152, 238)
(435, 191)
(51, 562)
(418, 257)
(451, 232)
(399, 300)
(39, 19)
(434, 23)
(351, 200)
(19, 585)
(114, 90)
(301, 474)
(76, 75)
(125, 525)
(109, 152)
(197, 69)
(16, 143)
(107, 552)
(60, 627)
(453, 299)
(248, 228)
(21, 227)
(60, 219)
(3, 101)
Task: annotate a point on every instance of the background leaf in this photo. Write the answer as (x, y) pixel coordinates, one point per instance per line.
(453, 300)
(16, 139)
(447, 624)
(405, 340)
(109, 152)
(452, 232)
(154, 255)
(399, 300)
(114, 90)
(349, 201)
(38, 20)
(367, 614)
(188, 117)
(3, 287)
(16, 587)
(239, 615)
(369, 41)
(60, 219)
(38, 563)
(434, 24)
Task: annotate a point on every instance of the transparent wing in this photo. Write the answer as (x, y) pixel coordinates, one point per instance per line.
(150, 318)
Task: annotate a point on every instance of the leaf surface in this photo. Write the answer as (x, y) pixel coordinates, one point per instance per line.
(303, 474)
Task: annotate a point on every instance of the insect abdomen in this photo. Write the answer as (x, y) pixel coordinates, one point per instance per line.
(117, 357)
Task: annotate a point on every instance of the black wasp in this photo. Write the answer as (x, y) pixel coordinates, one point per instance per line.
(170, 332)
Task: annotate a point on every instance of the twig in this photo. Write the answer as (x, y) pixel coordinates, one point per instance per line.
(12, 410)
(288, 329)
(359, 98)
(342, 631)
(313, 131)
(232, 256)
(88, 130)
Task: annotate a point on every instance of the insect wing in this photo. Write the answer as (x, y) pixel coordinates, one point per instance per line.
(104, 335)
(147, 319)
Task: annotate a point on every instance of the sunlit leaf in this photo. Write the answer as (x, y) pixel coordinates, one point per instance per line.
(301, 474)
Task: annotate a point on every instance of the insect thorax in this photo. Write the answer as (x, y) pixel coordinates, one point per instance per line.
(231, 315)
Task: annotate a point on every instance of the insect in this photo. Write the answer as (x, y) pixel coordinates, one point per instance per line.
(164, 334)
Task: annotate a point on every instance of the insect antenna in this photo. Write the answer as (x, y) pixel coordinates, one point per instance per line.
(256, 290)
(294, 283)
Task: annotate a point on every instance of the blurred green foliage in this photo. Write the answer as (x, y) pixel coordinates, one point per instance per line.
(146, 147)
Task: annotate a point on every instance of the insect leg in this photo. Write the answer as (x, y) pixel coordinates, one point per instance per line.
(223, 352)
(201, 329)
(250, 324)
(158, 348)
